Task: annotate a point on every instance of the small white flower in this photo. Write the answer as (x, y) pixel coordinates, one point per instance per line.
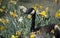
(53, 36)
(20, 19)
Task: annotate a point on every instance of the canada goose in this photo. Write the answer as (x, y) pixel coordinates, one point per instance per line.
(57, 31)
(33, 13)
(46, 28)
(1, 36)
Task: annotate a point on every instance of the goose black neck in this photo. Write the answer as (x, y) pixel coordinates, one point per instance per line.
(33, 22)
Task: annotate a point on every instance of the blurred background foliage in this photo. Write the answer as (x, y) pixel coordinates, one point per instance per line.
(12, 19)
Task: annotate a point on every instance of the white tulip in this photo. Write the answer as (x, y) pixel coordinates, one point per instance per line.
(20, 19)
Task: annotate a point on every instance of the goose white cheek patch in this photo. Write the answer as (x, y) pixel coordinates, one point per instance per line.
(33, 12)
(57, 27)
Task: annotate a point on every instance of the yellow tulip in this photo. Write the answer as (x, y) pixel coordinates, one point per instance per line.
(43, 14)
(3, 20)
(36, 6)
(12, 36)
(11, 0)
(32, 35)
(29, 16)
(57, 15)
(7, 20)
(2, 28)
(11, 13)
(14, 15)
(41, 7)
(55, 1)
(18, 33)
(1, 10)
(16, 36)
(59, 10)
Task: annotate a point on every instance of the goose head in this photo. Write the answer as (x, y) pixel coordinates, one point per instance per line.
(30, 11)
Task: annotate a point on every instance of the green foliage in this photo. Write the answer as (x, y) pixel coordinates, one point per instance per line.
(23, 26)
